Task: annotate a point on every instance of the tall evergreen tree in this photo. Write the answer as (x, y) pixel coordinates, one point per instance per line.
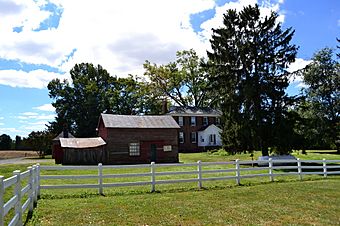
(249, 57)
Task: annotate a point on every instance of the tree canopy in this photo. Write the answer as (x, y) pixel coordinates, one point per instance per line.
(249, 57)
(322, 104)
(184, 81)
(91, 92)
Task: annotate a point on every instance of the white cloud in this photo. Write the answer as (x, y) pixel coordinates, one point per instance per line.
(45, 107)
(33, 79)
(30, 113)
(1, 124)
(1, 118)
(297, 65)
(119, 35)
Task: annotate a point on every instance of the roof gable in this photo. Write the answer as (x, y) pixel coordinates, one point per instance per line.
(194, 111)
(61, 135)
(139, 121)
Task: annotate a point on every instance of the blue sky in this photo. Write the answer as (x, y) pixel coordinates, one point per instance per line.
(41, 40)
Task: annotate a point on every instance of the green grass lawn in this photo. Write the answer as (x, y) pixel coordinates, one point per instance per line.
(256, 201)
(290, 203)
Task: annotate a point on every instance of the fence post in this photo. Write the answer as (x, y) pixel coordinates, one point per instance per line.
(153, 178)
(2, 192)
(35, 193)
(324, 164)
(271, 169)
(238, 176)
(100, 178)
(38, 180)
(30, 192)
(299, 168)
(17, 192)
(199, 173)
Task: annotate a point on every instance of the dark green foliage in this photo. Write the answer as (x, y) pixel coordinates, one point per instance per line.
(183, 81)
(41, 142)
(92, 92)
(321, 109)
(5, 142)
(249, 58)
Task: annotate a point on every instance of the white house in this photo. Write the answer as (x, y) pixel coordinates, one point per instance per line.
(210, 136)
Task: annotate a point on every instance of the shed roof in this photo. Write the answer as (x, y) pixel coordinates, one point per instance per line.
(139, 121)
(82, 142)
(61, 135)
(193, 111)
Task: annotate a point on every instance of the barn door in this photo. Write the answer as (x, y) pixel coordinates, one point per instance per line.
(153, 149)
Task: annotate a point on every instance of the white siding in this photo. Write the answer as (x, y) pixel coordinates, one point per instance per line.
(203, 136)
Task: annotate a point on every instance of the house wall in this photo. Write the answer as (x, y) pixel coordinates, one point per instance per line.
(83, 156)
(102, 131)
(187, 128)
(118, 140)
(203, 137)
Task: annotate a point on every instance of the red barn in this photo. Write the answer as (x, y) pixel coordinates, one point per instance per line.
(139, 139)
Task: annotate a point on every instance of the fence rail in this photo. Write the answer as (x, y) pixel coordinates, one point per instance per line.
(239, 168)
(26, 182)
(29, 181)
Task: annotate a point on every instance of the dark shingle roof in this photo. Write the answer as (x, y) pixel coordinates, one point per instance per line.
(194, 111)
(82, 142)
(134, 121)
(61, 135)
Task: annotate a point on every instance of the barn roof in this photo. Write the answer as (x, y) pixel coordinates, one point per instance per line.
(61, 135)
(82, 142)
(139, 121)
(193, 111)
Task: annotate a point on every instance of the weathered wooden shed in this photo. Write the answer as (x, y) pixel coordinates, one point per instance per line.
(57, 151)
(134, 139)
(83, 151)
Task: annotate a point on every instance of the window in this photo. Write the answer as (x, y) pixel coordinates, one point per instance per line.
(134, 149)
(167, 148)
(180, 120)
(193, 137)
(205, 121)
(202, 139)
(218, 121)
(212, 139)
(181, 137)
(193, 120)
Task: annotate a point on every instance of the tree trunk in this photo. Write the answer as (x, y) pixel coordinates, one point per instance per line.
(265, 151)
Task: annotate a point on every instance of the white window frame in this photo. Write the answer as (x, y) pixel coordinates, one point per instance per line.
(205, 121)
(193, 120)
(191, 137)
(218, 120)
(212, 139)
(180, 120)
(181, 137)
(134, 149)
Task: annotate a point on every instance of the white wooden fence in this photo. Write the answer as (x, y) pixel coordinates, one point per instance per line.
(297, 167)
(200, 174)
(24, 183)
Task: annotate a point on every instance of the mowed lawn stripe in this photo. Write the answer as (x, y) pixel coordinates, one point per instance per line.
(289, 203)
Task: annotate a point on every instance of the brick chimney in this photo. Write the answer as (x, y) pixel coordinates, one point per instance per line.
(164, 106)
(65, 131)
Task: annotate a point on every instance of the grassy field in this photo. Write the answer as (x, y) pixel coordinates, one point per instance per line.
(288, 201)
(7, 154)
